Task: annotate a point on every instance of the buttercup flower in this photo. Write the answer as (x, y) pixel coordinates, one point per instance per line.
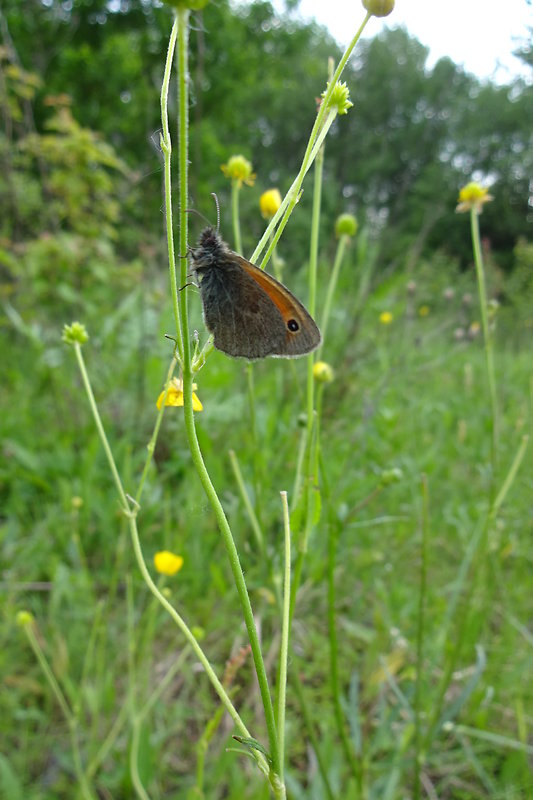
(167, 563)
(175, 396)
(473, 196)
(269, 202)
(239, 169)
(423, 311)
(385, 318)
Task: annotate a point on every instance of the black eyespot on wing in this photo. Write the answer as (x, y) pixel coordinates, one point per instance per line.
(293, 326)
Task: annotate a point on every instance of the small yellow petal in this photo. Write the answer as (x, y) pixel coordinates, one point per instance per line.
(385, 318)
(167, 563)
(239, 169)
(473, 196)
(175, 396)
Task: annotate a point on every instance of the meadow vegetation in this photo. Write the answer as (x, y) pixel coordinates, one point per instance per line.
(409, 485)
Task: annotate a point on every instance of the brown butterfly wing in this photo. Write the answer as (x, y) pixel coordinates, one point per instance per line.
(272, 321)
(249, 313)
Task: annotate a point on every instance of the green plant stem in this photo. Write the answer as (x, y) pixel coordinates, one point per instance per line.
(296, 685)
(312, 439)
(153, 439)
(323, 122)
(256, 449)
(131, 517)
(332, 285)
(103, 438)
(235, 189)
(166, 148)
(420, 632)
(136, 722)
(192, 641)
(183, 171)
(467, 573)
(285, 628)
(254, 522)
(65, 708)
(340, 721)
(190, 426)
(487, 337)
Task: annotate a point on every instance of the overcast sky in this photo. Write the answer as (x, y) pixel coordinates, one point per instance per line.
(478, 34)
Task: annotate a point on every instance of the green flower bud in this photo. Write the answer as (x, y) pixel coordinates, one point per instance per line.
(346, 225)
(75, 333)
(379, 8)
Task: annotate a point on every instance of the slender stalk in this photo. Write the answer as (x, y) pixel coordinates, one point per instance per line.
(103, 438)
(312, 442)
(321, 126)
(153, 439)
(70, 717)
(340, 721)
(190, 426)
(166, 148)
(332, 285)
(257, 460)
(462, 611)
(487, 336)
(254, 522)
(237, 241)
(285, 627)
(420, 638)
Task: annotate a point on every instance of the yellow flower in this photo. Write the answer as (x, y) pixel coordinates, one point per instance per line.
(322, 372)
(269, 202)
(167, 563)
(175, 396)
(239, 169)
(423, 311)
(385, 318)
(473, 196)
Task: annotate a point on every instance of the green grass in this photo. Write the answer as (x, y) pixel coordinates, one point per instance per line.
(406, 396)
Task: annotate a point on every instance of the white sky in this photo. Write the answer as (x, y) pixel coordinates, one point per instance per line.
(480, 35)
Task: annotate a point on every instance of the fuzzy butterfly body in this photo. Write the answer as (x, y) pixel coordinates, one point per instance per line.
(250, 314)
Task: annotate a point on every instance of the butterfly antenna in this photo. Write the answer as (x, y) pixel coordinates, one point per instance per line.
(194, 211)
(215, 198)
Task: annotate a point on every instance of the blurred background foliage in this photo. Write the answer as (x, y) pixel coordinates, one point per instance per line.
(82, 236)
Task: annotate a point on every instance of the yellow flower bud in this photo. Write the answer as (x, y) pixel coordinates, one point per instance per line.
(322, 372)
(24, 618)
(167, 563)
(385, 318)
(269, 202)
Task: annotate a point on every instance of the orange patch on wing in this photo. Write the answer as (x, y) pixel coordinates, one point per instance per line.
(284, 301)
